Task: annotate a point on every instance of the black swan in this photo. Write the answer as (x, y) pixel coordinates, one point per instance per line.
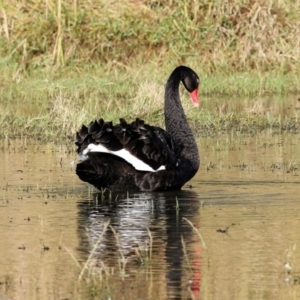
(137, 156)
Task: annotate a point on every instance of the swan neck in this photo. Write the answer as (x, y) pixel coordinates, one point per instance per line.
(176, 121)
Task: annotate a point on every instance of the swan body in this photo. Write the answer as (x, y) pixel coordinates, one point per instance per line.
(137, 156)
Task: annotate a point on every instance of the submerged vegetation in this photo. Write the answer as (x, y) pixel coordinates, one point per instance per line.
(67, 62)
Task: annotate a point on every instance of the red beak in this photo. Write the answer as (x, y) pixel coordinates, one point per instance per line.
(194, 97)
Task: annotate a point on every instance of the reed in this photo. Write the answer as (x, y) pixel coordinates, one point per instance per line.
(219, 36)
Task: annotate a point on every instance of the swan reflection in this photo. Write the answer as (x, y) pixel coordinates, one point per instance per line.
(176, 249)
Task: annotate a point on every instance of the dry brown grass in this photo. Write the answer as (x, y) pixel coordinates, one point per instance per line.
(219, 35)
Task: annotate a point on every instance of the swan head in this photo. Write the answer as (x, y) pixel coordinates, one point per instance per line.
(191, 82)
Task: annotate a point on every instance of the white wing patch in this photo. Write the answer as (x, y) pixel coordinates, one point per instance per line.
(126, 155)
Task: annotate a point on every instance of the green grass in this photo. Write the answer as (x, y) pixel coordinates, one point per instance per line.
(46, 106)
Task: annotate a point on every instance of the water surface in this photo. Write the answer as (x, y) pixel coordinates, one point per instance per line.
(244, 202)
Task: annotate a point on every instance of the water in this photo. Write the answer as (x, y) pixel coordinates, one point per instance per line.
(243, 203)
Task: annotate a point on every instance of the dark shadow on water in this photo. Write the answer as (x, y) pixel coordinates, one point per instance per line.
(176, 247)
